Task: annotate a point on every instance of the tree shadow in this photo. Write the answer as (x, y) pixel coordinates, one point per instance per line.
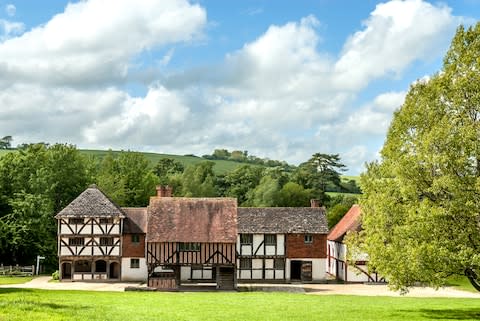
(451, 314)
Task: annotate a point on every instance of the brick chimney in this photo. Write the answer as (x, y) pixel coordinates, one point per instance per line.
(168, 191)
(314, 203)
(164, 191)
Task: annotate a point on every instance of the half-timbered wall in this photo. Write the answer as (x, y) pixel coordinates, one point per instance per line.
(338, 266)
(261, 259)
(93, 237)
(169, 253)
(258, 247)
(91, 225)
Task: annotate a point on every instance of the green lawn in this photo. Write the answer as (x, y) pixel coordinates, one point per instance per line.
(14, 279)
(461, 283)
(23, 304)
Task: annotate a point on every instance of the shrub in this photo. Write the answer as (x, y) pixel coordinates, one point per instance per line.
(56, 275)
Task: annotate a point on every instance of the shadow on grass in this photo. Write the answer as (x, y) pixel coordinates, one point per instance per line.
(14, 290)
(451, 314)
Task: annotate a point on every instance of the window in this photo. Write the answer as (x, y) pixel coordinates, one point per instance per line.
(106, 241)
(246, 238)
(135, 238)
(76, 241)
(270, 239)
(308, 238)
(107, 220)
(134, 263)
(245, 263)
(279, 264)
(75, 221)
(189, 247)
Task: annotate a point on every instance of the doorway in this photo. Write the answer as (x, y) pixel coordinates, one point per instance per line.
(114, 270)
(295, 270)
(66, 271)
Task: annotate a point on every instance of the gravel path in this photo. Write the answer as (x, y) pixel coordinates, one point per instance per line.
(42, 283)
(311, 289)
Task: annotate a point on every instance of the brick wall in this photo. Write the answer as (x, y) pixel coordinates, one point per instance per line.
(130, 249)
(297, 248)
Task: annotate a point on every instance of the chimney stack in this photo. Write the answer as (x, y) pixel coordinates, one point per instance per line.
(168, 191)
(164, 191)
(315, 203)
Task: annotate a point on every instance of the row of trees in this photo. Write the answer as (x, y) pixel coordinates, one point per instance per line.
(37, 181)
(244, 157)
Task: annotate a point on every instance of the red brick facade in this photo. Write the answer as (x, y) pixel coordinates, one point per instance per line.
(133, 249)
(297, 248)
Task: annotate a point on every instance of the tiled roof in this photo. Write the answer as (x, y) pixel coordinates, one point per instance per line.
(175, 219)
(351, 221)
(135, 221)
(310, 220)
(92, 202)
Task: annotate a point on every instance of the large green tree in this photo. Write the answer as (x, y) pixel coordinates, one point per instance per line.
(127, 179)
(421, 201)
(35, 183)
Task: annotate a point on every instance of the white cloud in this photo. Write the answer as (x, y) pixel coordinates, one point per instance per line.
(10, 10)
(396, 34)
(93, 42)
(9, 29)
(279, 95)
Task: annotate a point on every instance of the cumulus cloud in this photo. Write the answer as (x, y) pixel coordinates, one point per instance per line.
(93, 42)
(9, 29)
(279, 96)
(396, 34)
(10, 10)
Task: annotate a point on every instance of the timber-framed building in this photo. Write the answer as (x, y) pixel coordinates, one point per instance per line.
(177, 240)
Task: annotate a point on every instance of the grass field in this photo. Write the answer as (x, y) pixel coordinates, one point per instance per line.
(24, 304)
(461, 283)
(14, 279)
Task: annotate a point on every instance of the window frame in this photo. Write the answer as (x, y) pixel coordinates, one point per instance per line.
(277, 266)
(247, 236)
(105, 220)
(188, 247)
(272, 236)
(135, 238)
(134, 263)
(308, 238)
(106, 241)
(76, 241)
(76, 220)
(245, 264)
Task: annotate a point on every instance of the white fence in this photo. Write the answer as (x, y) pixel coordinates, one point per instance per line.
(17, 270)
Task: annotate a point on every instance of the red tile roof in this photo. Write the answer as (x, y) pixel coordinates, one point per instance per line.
(207, 220)
(349, 222)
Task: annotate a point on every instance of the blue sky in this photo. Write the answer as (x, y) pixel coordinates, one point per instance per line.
(280, 79)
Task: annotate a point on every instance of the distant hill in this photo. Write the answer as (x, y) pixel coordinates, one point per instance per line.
(221, 166)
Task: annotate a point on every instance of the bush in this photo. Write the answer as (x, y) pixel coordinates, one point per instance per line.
(56, 275)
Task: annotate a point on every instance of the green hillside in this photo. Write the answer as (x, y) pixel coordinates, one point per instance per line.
(221, 166)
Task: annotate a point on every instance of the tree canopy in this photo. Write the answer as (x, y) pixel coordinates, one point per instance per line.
(421, 201)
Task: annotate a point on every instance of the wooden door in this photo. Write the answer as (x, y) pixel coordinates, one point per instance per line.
(306, 270)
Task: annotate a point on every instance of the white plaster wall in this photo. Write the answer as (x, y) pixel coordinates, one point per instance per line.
(257, 240)
(129, 274)
(185, 273)
(64, 229)
(269, 275)
(278, 274)
(269, 263)
(280, 244)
